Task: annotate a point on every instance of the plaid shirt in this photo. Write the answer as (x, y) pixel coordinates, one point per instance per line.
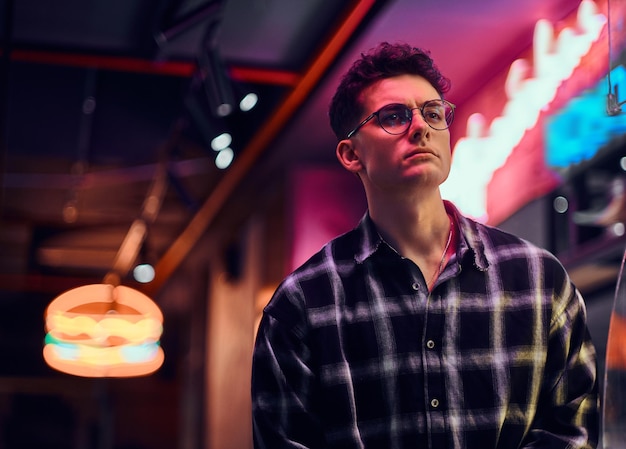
(353, 351)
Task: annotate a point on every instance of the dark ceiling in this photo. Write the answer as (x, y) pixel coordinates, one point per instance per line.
(97, 96)
(103, 106)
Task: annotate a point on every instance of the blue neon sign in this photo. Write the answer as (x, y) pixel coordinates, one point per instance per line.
(577, 132)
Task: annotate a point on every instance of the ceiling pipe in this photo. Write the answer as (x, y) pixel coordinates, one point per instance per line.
(5, 60)
(185, 69)
(116, 63)
(190, 20)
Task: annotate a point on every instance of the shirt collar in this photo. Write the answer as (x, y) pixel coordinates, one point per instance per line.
(469, 245)
(369, 238)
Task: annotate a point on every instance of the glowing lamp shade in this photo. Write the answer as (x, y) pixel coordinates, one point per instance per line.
(100, 330)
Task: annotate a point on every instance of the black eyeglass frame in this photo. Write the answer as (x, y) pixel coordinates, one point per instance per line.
(409, 117)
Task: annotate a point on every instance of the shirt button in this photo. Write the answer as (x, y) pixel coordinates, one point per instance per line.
(434, 403)
(430, 344)
(415, 286)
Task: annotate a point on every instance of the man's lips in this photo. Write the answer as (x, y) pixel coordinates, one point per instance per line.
(419, 152)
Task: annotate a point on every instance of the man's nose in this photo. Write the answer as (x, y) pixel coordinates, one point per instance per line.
(418, 123)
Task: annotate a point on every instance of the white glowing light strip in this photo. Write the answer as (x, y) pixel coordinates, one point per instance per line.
(482, 151)
(97, 357)
(145, 329)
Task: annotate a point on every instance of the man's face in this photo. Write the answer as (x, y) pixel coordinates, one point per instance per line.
(421, 156)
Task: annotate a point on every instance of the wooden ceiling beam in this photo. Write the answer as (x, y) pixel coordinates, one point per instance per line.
(259, 143)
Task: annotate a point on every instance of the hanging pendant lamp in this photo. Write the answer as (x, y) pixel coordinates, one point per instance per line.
(101, 330)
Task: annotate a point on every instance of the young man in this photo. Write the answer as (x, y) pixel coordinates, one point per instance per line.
(420, 328)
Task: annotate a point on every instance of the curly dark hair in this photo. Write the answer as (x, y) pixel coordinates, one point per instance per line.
(384, 61)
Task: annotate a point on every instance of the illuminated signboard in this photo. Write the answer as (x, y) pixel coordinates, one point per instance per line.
(582, 127)
(100, 330)
(530, 87)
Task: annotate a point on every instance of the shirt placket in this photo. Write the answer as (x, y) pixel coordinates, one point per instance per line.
(434, 385)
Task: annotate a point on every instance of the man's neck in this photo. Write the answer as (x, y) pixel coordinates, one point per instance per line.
(412, 227)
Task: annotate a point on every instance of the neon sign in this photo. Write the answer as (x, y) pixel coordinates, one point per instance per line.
(485, 149)
(100, 330)
(580, 129)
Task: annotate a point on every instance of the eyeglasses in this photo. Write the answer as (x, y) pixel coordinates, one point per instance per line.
(396, 118)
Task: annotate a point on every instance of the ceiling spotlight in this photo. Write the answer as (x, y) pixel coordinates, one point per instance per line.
(217, 86)
(618, 229)
(221, 141)
(560, 204)
(248, 102)
(70, 212)
(212, 131)
(224, 158)
(144, 273)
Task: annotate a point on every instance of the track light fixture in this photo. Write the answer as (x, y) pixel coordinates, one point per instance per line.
(217, 86)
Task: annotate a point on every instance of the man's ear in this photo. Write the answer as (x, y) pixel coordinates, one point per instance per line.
(348, 157)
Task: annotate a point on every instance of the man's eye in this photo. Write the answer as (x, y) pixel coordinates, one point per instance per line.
(394, 118)
(434, 113)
